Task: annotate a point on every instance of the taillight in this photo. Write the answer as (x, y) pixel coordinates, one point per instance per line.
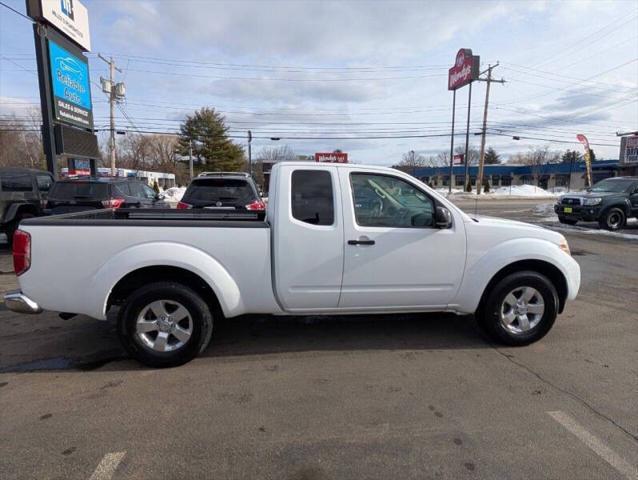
(184, 206)
(257, 205)
(21, 252)
(113, 203)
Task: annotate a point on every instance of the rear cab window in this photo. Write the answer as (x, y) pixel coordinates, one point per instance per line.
(312, 197)
(79, 190)
(235, 192)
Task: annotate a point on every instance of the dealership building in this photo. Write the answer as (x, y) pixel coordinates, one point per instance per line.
(565, 175)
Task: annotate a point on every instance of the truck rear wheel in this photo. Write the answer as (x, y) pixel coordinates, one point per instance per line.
(164, 324)
(520, 309)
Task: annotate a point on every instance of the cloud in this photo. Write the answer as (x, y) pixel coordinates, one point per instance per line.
(327, 31)
(292, 92)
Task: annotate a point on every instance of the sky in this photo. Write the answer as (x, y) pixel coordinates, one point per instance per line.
(366, 77)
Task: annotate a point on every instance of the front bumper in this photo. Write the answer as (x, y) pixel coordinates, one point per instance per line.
(578, 212)
(19, 302)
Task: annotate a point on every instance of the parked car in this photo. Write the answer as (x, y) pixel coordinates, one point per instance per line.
(609, 202)
(76, 195)
(23, 194)
(171, 273)
(222, 190)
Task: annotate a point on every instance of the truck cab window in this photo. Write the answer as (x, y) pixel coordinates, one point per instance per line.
(312, 197)
(386, 201)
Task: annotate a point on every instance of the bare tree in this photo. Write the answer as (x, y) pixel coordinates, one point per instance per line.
(21, 142)
(276, 154)
(538, 159)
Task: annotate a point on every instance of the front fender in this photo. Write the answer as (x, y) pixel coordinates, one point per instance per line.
(481, 270)
(172, 255)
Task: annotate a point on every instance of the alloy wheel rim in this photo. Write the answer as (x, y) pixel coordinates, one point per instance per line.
(164, 326)
(522, 310)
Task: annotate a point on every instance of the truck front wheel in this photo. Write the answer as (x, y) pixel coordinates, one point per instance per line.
(164, 324)
(520, 309)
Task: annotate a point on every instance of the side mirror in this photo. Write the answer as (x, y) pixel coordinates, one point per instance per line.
(442, 218)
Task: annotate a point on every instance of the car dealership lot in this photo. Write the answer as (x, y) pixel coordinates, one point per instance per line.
(415, 396)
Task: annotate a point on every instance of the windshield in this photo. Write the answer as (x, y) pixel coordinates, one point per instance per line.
(612, 185)
(79, 190)
(233, 192)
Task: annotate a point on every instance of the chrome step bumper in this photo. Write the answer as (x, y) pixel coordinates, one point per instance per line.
(19, 302)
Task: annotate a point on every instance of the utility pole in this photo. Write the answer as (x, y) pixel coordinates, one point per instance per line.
(489, 80)
(250, 153)
(111, 89)
(190, 158)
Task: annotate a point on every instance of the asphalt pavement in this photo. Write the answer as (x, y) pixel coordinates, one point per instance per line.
(379, 397)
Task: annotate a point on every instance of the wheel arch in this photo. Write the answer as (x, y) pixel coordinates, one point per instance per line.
(547, 269)
(16, 209)
(133, 280)
(166, 261)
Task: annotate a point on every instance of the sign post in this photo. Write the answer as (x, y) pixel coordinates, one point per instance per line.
(464, 72)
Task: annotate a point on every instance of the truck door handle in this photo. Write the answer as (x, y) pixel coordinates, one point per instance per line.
(360, 242)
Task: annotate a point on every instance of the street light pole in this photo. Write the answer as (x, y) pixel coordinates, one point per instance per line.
(250, 153)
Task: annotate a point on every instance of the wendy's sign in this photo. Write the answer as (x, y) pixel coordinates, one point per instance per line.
(465, 69)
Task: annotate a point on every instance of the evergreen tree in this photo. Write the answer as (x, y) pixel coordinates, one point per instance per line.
(491, 157)
(207, 133)
(571, 156)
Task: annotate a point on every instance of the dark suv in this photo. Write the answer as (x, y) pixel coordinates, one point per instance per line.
(610, 202)
(224, 191)
(23, 194)
(76, 195)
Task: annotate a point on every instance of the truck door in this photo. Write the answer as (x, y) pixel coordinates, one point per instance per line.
(308, 243)
(395, 257)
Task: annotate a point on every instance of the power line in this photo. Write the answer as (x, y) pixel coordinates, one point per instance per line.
(15, 11)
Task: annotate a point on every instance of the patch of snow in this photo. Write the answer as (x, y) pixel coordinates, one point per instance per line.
(522, 191)
(544, 209)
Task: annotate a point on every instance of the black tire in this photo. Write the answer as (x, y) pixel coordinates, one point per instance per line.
(489, 315)
(198, 310)
(613, 219)
(567, 221)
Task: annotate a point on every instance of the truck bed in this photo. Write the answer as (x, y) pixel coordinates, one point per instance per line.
(156, 217)
(78, 258)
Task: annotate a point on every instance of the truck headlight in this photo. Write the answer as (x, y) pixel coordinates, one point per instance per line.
(592, 201)
(564, 246)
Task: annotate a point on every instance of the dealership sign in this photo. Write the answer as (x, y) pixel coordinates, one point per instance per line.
(465, 69)
(458, 159)
(71, 87)
(332, 157)
(69, 16)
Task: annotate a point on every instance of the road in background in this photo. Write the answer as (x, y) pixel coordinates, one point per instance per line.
(409, 396)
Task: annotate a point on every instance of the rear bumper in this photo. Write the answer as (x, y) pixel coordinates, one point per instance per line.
(19, 302)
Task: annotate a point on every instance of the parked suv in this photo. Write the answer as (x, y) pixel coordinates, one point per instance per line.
(23, 194)
(223, 190)
(609, 202)
(76, 195)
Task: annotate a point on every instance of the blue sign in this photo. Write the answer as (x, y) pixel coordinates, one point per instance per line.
(71, 86)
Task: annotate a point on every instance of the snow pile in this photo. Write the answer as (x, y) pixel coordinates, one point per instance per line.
(175, 193)
(522, 191)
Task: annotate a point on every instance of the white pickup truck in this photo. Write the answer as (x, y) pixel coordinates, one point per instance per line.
(336, 239)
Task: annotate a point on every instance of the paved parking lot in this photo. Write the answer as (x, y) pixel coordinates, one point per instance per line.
(410, 396)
